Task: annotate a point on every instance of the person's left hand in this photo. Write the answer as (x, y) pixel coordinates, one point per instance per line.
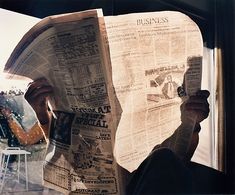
(196, 106)
(37, 96)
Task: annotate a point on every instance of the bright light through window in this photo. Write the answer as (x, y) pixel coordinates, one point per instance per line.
(12, 28)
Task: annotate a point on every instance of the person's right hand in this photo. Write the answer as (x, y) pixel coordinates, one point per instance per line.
(37, 96)
(196, 106)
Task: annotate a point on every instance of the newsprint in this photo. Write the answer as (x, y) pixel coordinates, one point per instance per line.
(116, 81)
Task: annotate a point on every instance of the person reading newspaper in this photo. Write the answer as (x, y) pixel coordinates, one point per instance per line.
(161, 169)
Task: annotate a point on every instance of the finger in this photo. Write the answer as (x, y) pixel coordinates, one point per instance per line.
(36, 84)
(201, 115)
(42, 79)
(205, 110)
(203, 93)
(197, 105)
(40, 92)
(197, 109)
(197, 99)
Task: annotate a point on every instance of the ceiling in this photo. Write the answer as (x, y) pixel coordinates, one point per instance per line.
(43, 8)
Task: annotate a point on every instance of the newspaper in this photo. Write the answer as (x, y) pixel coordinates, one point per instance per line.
(115, 81)
(151, 53)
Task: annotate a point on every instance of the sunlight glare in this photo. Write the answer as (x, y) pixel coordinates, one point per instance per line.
(12, 28)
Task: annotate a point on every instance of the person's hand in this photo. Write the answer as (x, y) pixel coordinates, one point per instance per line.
(196, 107)
(37, 96)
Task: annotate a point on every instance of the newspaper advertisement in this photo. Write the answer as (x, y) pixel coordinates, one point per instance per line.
(68, 52)
(152, 55)
(110, 107)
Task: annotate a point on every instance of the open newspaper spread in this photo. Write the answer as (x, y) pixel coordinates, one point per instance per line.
(115, 81)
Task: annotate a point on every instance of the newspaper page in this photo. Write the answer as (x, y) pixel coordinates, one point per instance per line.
(68, 50)
(152, 55)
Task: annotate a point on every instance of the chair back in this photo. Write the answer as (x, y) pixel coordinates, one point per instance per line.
(12, 148)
